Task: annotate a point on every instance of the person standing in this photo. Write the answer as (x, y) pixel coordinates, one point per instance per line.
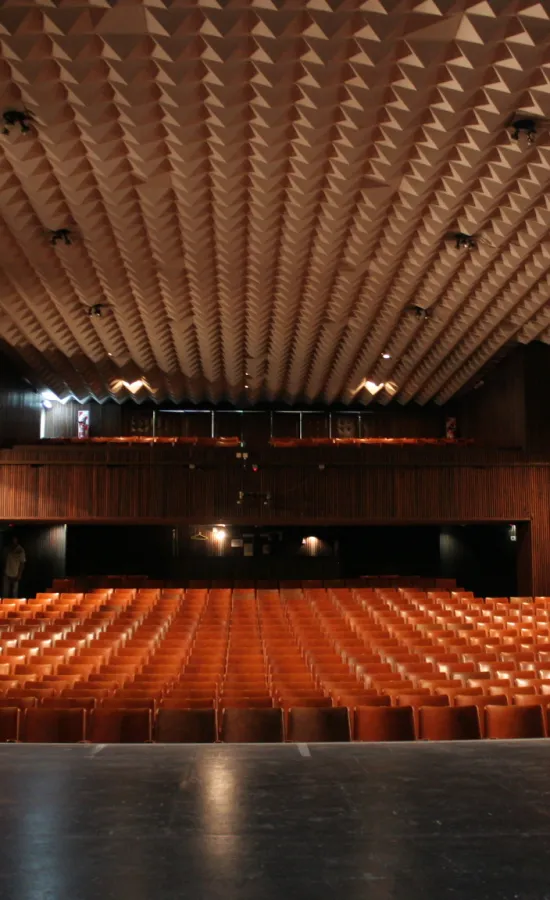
(14, 563)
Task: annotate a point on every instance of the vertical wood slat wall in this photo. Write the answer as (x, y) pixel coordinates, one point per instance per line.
(390, 494)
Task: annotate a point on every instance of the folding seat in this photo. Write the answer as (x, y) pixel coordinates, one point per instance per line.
(358, 698)
(120, 726)
(286, 700)
(75, 668)
(9, 724)
(87, 703)
(514, 722)
(183, 702)
(7, 682)
(437, 685)
(124, 702)
(98, 693)
(417, 700)
(307, 724)
(54, 726)
(488, 685)
(37, 670)
(184, 726)
(530, 699)
(391, 723)
(451, 723)
(134, 693)
(252, 725)
(101, 680)
(245, 702)
(37, 690)
(18, 702)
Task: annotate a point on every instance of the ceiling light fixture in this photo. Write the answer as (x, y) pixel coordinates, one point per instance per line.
(373, 388)
(13, 117)
(134, 386)
(524, 126)
(386, 356)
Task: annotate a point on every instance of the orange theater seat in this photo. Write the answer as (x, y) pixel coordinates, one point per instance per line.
(514, 722)
(310, 724)
(120, 726)
(252, 726)
(87, 703)
(55, 726)
(390, 723)
(451, 723)
(9, 724)
(186, 726)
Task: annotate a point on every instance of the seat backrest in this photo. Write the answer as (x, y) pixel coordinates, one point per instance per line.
(245, 702)
(287, 700)
(448, 723)
(384, 723)
(18, 702)
(252, 726)
(87, 703)
(120, 726)
(530, 700)
(511, 722)
(182, 702)
(186, 726)
(9, 724)
(310, 724)
(129, 703)
(422, 700)
(55, 726)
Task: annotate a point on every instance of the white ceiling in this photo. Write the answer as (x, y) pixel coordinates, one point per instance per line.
(265, 186)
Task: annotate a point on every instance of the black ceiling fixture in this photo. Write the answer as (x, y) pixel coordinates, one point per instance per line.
(525, 126)
(65, 235)
(420, 311)
(96, 310)
(12, 118)
(463, 241)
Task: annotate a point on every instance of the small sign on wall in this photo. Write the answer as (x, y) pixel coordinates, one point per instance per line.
(237, 542)
(83, 424)
(450, 428)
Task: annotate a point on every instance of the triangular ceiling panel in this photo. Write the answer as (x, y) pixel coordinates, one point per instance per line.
(264, 200)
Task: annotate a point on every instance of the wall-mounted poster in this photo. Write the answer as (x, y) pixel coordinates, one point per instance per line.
(450, 428)
(83, 424)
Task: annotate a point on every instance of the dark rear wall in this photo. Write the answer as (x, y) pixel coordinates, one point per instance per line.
(482, 558)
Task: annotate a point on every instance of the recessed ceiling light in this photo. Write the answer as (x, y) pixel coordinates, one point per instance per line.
(386, 356)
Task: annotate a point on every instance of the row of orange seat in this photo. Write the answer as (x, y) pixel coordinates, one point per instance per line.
(302, 725)
(233, 648)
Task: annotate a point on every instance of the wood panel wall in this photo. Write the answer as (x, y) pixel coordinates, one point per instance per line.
(391, 489)
(494, 413)
(20, 409)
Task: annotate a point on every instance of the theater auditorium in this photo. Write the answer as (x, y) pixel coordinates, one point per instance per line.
(274, 449)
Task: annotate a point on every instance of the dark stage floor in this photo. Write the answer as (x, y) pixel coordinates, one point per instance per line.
(384, 822)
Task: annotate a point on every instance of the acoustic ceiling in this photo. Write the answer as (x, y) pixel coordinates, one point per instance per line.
(260, 196)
